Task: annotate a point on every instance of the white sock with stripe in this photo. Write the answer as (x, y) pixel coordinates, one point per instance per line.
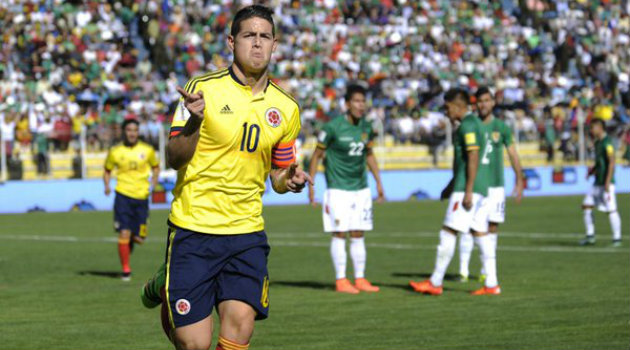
(588, 222)
(615, 225)
(358, 255)
(466, 246)
(445, 251)
(339, 256)
(488, 255)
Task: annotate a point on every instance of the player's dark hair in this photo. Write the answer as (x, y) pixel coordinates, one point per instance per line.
(599, 121)
(482, 91)
(129, 121)
(457, 94)
(249, 12)
(354, 89)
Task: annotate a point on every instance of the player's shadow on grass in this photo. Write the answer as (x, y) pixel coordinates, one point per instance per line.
(303, 284)
(108, 274)
(447, 277)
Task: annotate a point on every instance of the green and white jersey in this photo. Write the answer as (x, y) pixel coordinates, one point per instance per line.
(498, 135)
(469, 136)
(603, 149)
(346, 147)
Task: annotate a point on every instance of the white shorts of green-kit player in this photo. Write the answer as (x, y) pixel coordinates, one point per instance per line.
(496, 204)
(598, 197)
(462, 220)
(345, 211)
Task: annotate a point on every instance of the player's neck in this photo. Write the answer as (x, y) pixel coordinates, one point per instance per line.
(488, 118)
(257, 81)
(129, 144)
(602, 136)
(352, 120)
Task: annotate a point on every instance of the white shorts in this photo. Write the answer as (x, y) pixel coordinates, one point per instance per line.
(496, 204)
(462, 220)
(606, 202)
(345, 211)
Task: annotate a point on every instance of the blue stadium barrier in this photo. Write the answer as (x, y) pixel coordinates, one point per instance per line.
(67, 195)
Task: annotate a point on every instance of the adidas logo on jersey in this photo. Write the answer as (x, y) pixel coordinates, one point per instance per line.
(226, 110)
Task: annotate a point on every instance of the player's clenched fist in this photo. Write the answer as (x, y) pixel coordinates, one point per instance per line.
(194, 103)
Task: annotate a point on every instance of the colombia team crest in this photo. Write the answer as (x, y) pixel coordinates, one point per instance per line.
(182, 306)
(273, 117)
(496, 136)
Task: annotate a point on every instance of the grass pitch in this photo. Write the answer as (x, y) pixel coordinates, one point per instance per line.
(59, 287)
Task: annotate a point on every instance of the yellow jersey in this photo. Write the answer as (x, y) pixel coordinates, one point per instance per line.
(220, 190)
(133, 165)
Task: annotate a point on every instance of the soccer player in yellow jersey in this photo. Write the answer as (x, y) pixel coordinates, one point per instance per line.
(134, 161)
(232, 129)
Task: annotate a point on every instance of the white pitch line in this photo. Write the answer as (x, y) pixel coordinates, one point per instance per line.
(288, 243)
(429, 234)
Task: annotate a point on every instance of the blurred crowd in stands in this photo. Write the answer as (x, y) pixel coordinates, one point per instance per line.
(72, 65)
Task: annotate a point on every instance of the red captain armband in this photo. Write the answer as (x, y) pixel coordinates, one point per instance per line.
(283, 154)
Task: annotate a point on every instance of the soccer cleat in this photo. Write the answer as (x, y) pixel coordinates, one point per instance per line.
(589, 240)
(343, 285)
(150, 294)
(126, 276)
(487, 291)
(616, 243)
(364, 285)
(426, 287)
(462, 278)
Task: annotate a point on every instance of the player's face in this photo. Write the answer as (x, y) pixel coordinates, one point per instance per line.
(596, 130)
(131, 133)
(253, 45)
(455, 110)
(485, 105)
(356, 106)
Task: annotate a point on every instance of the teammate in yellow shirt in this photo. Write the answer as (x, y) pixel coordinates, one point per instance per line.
(232, 129)
(134, 161)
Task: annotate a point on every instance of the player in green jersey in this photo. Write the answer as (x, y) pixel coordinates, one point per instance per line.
(498, 136)
(602, 193)
(346, 143)
(467, 191)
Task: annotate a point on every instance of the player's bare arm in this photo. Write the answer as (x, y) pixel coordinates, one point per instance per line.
(373, 165)
(518, 172)
(448, 190)
(181, 148)
(318, 154)
(291, 179)
(609, 171)
(155, 176)
(471, 174)
(107, 176)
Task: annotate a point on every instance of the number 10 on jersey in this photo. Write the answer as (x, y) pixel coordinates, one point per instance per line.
(248, 135)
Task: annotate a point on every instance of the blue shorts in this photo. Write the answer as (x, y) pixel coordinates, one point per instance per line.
(131, 214)
(202, 270)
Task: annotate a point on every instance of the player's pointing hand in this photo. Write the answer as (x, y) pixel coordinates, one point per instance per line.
(194, 103)
(297, 179)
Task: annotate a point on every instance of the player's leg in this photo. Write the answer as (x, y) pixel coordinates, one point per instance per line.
(496, 216)
(237, 325)
(587, 211)
(196, 336)
(335, 216)
(457, 220)
(466, 246)
(358, 253)
(487, 247)
(123, 225)
(361, 221)
(151, 291)
(243, 290)
(610, 205)
(142, 215)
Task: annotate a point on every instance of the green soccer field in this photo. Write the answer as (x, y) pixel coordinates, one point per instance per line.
(59, 287)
